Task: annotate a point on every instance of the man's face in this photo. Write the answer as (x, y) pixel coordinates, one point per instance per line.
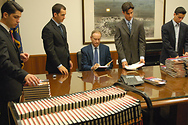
(178, 17)
(95, 38)
(60, 16)
(13, 19)
(128, 15)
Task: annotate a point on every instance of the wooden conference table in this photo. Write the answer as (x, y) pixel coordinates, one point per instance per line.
(175, 92)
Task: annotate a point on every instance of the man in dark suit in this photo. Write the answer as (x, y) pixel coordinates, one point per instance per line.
(12, 77)
(129, 38)
(103, 56)
(174, 36)
(54, 37)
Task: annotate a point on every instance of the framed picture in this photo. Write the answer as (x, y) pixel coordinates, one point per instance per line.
(104, 14)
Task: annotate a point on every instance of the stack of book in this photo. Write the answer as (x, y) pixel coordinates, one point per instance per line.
(163, 68)
(175, 67)
(185, 58)
(108, 105)
(36, 92)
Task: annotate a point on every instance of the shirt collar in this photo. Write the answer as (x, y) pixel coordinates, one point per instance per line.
(128, 21)
(58, 24)
(5, 26)
(94, 47)
(174, 23)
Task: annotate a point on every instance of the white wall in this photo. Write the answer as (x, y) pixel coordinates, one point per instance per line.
(171, 6)
(38, 12)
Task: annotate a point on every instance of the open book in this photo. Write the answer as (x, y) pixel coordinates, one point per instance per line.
(102, 68)
(134, 66)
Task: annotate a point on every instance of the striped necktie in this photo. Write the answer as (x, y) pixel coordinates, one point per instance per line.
(129, 26)
(11, 35)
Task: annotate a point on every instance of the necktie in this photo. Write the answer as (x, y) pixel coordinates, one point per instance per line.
(96, 56)
(11, 35)
(129, 26)
(61, 29)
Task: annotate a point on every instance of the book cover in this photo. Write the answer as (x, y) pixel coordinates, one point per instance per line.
(155, 81)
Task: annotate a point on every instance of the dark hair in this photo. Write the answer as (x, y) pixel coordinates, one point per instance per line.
(95, 31)
(57, 7)
(180, 10)
(126, 6)
(10, 7)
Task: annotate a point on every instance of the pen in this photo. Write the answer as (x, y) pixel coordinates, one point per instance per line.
(109, 63)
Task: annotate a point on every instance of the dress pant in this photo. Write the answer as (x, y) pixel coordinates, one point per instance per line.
(5, 114)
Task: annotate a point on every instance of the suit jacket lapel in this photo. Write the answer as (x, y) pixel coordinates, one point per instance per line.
(100, 53)
(57, 28)
(180, 34)
(133, 26)
(91, 53)
(124, 25)
(9, 37)
(171, 27)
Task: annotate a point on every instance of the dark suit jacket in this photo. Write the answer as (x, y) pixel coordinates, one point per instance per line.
(169, 41)
(56, 47)
(87, 56)
(11, 74)
(130, 46)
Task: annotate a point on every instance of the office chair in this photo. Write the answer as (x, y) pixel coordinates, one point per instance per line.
(79, 57)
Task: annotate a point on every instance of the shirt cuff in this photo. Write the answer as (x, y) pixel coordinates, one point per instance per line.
(142, 57)
(59, 65)
(123, 60)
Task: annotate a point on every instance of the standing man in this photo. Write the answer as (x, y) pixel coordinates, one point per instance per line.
(95, 54)
(129, 38)
(174, 36)
(12, 77)
(54, 37)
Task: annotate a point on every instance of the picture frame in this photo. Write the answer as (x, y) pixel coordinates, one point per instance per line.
(89, 23)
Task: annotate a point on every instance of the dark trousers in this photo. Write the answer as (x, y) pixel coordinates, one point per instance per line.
(5, 115)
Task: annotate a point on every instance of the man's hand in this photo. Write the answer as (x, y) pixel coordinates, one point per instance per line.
(24, 57)
(71, 64)
(124, 63)
(142, 61)
(31, 80)
(95, 66)
(63, 70)
(186, 53)
(63, 78)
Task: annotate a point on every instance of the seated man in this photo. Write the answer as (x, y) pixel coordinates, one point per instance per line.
(95, 54)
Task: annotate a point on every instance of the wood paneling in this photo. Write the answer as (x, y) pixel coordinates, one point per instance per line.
(37, 63)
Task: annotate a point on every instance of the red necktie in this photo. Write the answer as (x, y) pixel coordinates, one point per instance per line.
(11, 35)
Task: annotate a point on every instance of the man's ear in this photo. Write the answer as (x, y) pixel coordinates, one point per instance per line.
(5, 15)
(55, 14)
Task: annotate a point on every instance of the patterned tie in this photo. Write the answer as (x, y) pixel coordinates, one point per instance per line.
(96, 56)
(11, 35)
(129, 26)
